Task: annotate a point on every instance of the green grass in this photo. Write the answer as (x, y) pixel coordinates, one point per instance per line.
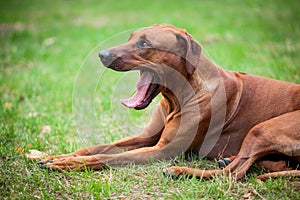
(43, 45)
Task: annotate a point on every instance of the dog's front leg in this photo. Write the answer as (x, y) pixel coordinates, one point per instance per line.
(176, 138)
(149, 137)
(119, 146)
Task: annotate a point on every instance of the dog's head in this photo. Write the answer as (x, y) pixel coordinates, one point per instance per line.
(156, 51)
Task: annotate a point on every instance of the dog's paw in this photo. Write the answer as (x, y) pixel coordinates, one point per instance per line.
(173, 172)
(224, 162)
(50, 159)
(46, 160)
(73, 163)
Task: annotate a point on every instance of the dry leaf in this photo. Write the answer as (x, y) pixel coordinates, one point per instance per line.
(247, 195)
(7, 105)
(32, 114)
(35, 155)
(19, 150)
(49, 41)
(46, 129)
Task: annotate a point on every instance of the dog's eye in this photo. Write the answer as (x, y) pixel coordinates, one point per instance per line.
(143, 44)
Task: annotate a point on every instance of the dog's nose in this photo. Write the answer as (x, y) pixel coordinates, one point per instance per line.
(106, 57)
(104, 54)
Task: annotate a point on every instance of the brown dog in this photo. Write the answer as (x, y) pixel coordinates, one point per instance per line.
(204, 109)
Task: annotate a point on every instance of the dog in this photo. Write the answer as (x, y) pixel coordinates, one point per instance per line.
(238, 117)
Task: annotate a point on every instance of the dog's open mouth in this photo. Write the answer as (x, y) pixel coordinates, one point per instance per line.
(146, 90)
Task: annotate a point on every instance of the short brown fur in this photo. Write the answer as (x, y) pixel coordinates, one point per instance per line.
(262, 115)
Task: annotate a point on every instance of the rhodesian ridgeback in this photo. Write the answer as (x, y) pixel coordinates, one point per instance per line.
(217, 113)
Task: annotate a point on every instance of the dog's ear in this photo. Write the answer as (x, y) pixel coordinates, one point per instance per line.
(192, 54)
(192, 51)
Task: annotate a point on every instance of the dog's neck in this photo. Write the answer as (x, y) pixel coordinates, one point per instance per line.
(209, 84)
(191, 89)
(224, 87)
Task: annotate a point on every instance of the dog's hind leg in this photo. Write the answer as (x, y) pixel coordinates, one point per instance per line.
(280, 135)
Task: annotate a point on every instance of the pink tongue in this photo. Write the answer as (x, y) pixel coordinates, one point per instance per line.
(142, 88)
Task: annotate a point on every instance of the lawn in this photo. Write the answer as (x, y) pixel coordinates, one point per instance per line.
(45, 45)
